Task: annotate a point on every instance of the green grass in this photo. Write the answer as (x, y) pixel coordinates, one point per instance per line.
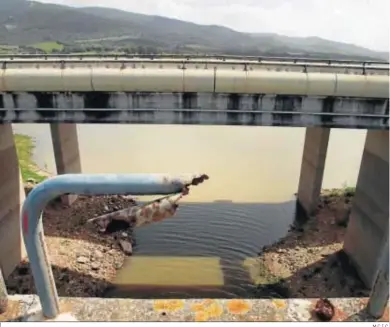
(8, 49)
(48, 47)
(25, 147)
(344, 191)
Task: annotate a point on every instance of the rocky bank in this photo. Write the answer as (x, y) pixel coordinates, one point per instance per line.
(309, 260)
(83, 261)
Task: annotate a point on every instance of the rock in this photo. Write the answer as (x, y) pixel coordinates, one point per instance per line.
(106, 208)
(124, 235)
(117, 265)
(22, 271)
(82, 259)
(95, 266)
(98, 254)
(324, 310)
(111, 252)
(341, 211)
(126, 247)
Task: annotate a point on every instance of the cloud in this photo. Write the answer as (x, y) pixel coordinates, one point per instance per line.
(361, 22)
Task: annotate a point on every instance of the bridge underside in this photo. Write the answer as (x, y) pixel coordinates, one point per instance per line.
(194, 108)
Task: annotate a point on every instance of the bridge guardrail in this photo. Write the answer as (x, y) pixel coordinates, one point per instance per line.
(85, 184)
(197, 56)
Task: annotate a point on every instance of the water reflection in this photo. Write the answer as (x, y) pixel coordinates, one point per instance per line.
(220, 235)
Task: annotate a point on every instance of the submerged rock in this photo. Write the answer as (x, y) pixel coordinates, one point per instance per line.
(126, 247)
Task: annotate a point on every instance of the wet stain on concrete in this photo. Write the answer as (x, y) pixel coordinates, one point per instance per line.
(189, 100)
(287, 103)
(233, 103)
(94, 100)
(255, 101)
(372, 105)
(327, 107)
(44, 99)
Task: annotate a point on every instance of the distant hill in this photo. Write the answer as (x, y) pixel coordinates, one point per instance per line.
(24, 23)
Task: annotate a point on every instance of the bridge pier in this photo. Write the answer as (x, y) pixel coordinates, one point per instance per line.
(312, 168)
(12, 195)
(66, 152)
(368, 228)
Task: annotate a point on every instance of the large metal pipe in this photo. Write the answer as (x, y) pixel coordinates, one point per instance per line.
(95, 184)
(193, 77)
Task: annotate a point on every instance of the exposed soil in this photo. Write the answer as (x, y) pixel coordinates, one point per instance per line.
(309, 260)
(83, 261)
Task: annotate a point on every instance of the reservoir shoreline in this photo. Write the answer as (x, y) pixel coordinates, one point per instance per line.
(91, 261)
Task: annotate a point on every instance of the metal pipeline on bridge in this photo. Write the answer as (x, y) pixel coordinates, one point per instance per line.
(85, 184)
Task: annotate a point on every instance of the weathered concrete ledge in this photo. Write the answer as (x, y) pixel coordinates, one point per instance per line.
(27, 308)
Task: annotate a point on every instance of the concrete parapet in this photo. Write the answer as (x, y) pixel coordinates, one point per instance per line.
(11, 200)
(368, 228)
(27, 308)
(66, 152)
(312, 168)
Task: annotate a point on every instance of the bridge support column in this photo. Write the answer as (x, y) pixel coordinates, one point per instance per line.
(66, 152)
(312, 168)
(12, 195)
(368, 227)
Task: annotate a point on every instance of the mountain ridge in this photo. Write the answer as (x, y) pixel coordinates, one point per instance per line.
(23, 23)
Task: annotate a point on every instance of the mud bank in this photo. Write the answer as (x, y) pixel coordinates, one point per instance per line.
(309, 260)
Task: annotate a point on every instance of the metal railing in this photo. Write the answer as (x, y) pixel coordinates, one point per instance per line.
(82, 184)
(286, 59)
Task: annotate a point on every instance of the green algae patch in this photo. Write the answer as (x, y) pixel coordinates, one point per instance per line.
(25, 148)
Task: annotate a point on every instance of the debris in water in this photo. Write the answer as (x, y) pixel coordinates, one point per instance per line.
(140, 215)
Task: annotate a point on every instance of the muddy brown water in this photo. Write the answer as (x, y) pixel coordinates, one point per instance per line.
(247, 203)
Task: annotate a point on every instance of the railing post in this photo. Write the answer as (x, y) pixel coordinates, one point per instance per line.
(82, 184)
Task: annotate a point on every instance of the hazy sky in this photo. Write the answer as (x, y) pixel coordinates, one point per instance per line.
(362, 22)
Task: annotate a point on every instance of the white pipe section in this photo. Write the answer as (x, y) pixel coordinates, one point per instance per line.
(220, 78)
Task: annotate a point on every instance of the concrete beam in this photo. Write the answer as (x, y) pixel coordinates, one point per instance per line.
(66, 152)
(368, 228)
(12, 195)
(312, 168)
(194, 109)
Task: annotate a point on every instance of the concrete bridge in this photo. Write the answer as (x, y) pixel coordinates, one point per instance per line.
(224, 91)
(315, 94)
